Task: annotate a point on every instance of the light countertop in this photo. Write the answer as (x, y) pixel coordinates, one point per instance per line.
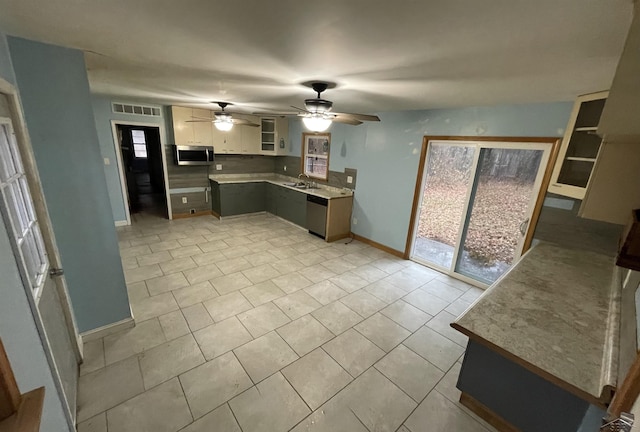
(557, 313)
(322, 191)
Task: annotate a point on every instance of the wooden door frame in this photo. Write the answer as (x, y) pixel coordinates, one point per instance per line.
(555, 146)
(121, 173)
(53, 255)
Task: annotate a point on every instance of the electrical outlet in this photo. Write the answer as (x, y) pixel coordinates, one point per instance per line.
(349, 179)
(355, 221)
(184, 200)
(218, 167)
(285, 167)
(107, 161)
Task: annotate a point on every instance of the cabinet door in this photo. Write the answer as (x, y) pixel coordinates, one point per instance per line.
(282, 203)
(282, 135)
(215, 197)
(227, 142)
(256, 197)
(299, 209)
(182, 131)
(202, 130)
(271, 198)
(250, 136)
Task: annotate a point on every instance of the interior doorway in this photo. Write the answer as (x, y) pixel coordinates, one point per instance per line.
(142, 167)
(476, 204)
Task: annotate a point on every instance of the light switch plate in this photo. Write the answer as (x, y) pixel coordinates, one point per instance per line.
(184, 200)
(349, 179)
(285, 167)
(107, 161)
(218, 167)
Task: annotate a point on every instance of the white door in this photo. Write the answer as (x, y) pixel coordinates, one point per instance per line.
(24, 211)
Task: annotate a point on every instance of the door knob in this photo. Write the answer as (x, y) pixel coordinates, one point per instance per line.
(56, 272)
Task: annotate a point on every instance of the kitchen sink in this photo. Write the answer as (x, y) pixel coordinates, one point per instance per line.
(298, 185)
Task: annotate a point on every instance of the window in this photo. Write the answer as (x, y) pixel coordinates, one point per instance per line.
(18, 209)
(139, 144)
(315, 155)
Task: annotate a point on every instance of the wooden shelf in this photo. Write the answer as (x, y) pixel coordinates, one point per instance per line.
(28, 416)
(18, 413)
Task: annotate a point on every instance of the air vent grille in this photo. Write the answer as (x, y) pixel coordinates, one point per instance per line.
(145, 110)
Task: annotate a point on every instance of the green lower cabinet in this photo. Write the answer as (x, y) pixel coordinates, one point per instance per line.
(292, 206)
(271, 197)
(215, 197)
(242, 198)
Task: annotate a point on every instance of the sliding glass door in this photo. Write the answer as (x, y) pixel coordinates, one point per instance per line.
(476, 203)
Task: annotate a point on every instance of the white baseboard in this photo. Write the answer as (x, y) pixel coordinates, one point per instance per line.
(122, 223)
(103, 331)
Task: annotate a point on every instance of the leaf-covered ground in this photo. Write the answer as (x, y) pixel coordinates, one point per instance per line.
(499, 209)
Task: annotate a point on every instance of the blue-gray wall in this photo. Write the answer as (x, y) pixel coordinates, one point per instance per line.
(103, 116)
(17, 326)
(387, 154)
(57, 105)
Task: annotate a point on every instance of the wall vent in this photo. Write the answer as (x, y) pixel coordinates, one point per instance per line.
(144, 110)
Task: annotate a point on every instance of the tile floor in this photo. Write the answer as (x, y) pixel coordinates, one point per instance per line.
(251, 324)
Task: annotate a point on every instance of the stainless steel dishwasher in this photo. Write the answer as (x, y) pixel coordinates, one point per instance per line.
(317, 215)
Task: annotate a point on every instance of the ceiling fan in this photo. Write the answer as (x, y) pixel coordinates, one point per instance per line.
(317, 115)
(223, 120)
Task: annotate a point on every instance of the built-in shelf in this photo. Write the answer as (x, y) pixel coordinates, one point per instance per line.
(580, 159)
(580, 147)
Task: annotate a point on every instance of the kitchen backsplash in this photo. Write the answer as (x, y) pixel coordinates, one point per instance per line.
(559, 223)
(243, 164)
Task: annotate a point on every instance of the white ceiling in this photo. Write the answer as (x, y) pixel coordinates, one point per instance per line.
(384, 55)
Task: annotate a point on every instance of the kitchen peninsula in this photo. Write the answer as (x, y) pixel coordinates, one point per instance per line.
(544, 342)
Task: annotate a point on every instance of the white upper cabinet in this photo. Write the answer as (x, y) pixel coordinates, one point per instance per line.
(250, 135)
(580, 147)
(620, 121)
(229, 142)
(191, 133)
(182, 131)
(271, 138)
(202, 130)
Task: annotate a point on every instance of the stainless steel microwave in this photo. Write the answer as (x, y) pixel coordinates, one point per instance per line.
(193, 155)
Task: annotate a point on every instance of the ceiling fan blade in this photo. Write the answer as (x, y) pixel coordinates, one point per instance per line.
(200, 121)
(300, 109)
(361, 117)
(201, 118)
(275, 114)
(243, 122)
(347, 120)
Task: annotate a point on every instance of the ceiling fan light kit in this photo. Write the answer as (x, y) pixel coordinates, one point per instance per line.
(223, 123)
(317, 115)
(316, 122)
(223, 120)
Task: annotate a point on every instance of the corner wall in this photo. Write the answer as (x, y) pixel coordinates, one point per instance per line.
(57, 105)
(17, 326)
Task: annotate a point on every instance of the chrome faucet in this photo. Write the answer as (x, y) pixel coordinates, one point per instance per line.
(307, 176)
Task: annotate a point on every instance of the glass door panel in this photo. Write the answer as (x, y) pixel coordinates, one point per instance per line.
(448, 177)
(505, 187)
